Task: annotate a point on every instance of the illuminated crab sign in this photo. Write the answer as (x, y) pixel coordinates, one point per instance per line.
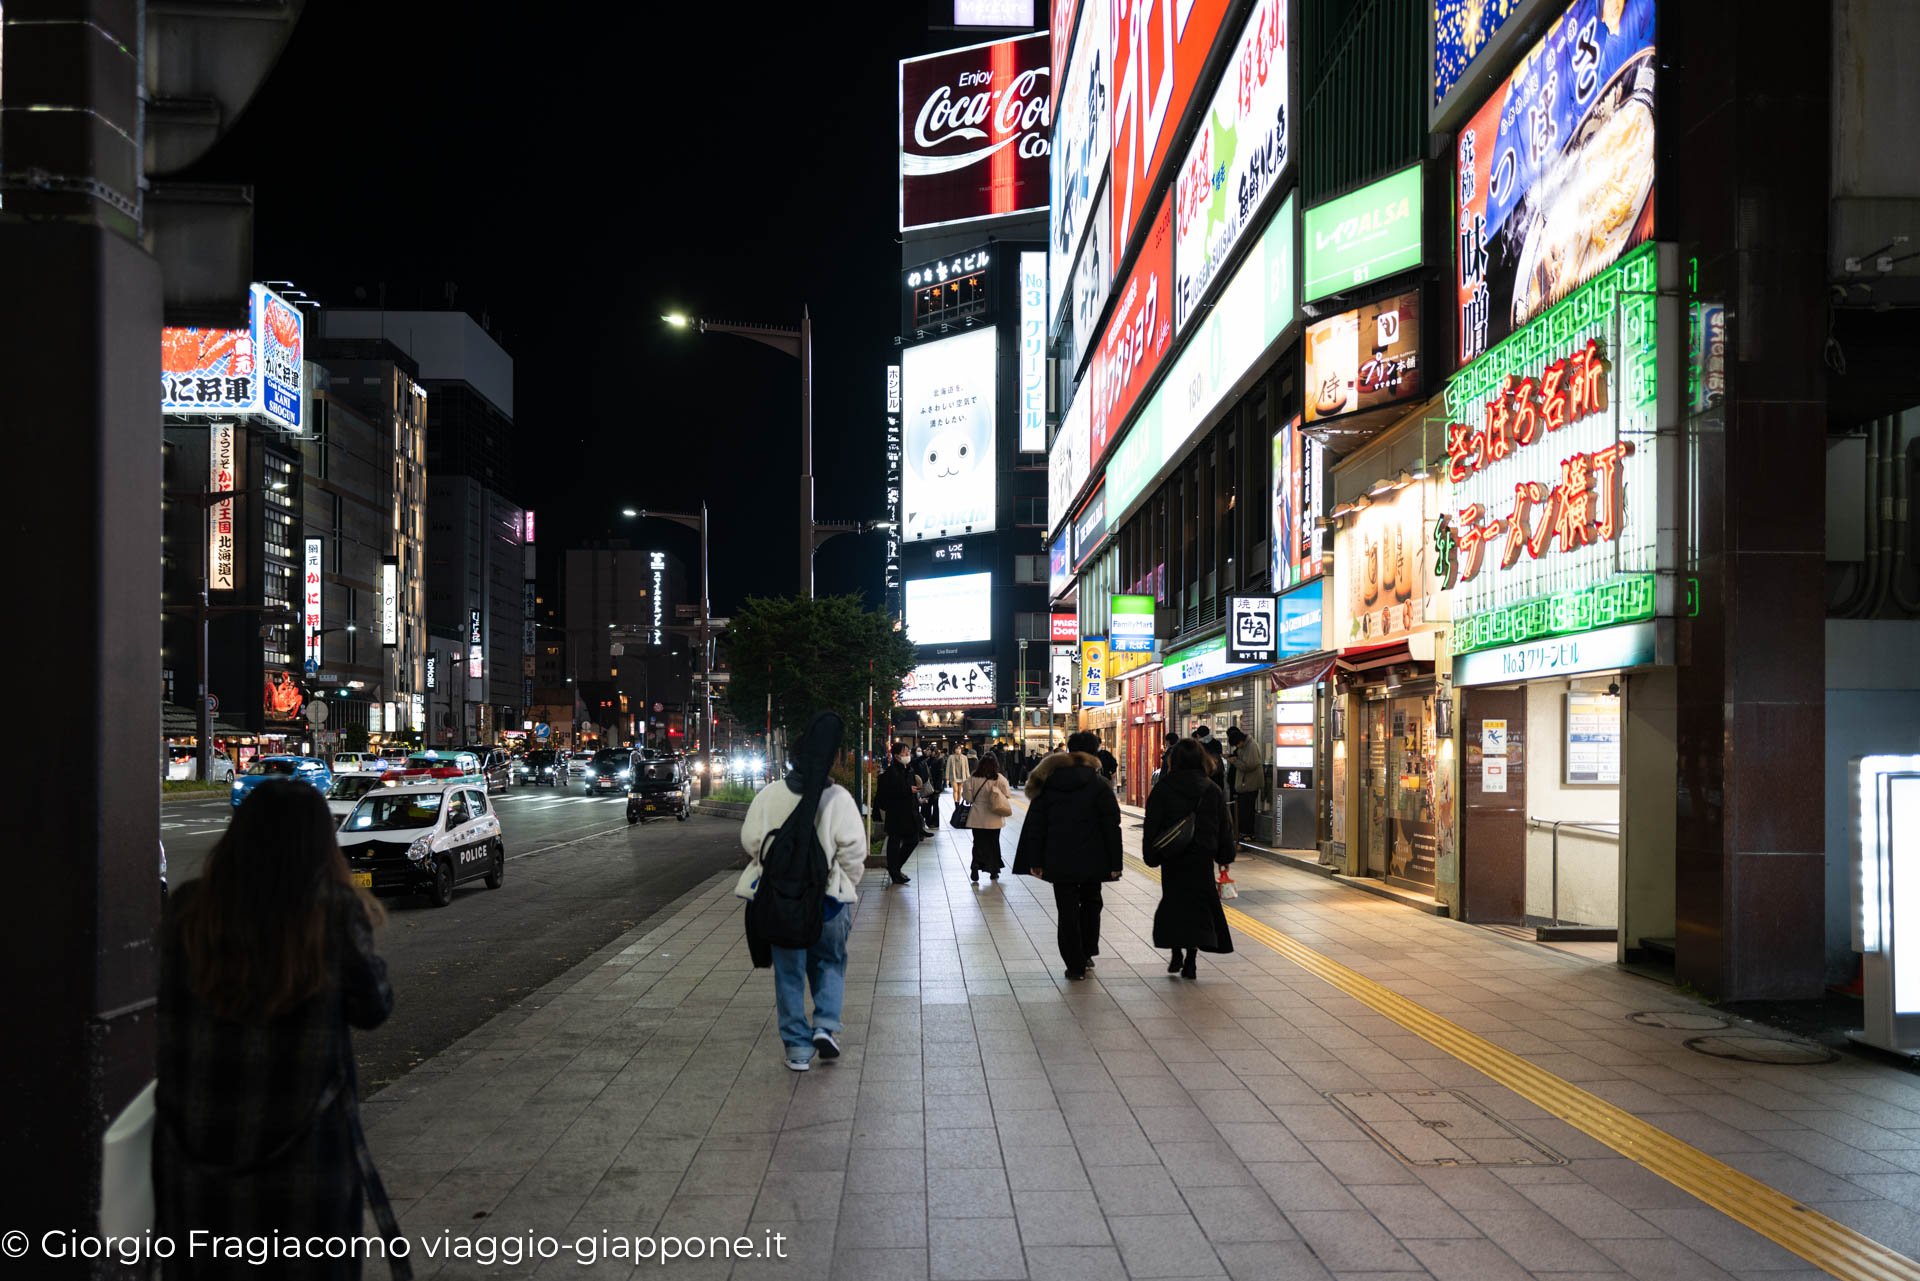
(1551, 466)
(235, 372)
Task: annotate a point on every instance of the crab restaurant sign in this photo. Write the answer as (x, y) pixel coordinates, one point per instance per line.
(974, 124)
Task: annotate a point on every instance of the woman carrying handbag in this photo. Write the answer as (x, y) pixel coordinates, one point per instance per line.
(991, 804)
(1188, 831)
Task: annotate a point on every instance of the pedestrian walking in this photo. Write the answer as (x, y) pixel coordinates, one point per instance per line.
(1070, 839)
(992, 804)
(897, 797)
(931, 773)
(1188, 831)
(267, 962)
(958, 768)
(1249, 778)
(808, 789)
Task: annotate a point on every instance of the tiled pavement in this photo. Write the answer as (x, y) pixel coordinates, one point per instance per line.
(990, 1119)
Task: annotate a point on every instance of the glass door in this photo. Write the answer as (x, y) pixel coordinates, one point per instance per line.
(1374, 783)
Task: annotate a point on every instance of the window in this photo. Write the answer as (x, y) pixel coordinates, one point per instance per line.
(457, 811)
(1030, 511)
(1031, 626)
(479, 803)
(1029, 569)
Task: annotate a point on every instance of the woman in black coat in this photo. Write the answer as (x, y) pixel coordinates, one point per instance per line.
(897, 797)
(266, 961)
(1189, 917)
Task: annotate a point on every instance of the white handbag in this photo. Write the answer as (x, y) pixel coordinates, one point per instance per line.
(126, 1169)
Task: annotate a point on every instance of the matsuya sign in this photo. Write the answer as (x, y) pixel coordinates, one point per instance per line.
(1551, 460)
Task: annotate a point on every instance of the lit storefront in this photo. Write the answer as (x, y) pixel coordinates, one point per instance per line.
(1391, 790)
(1564, 593)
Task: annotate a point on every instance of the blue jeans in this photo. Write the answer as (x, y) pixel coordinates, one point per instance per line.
(823, 967)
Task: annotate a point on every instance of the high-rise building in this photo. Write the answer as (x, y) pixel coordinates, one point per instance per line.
(475, 572)
(624, 644)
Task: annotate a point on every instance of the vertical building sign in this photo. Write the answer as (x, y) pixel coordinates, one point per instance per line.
(389, 602)
(1033, 352)
(1093, 673)
(220, 479)
(1060, 700)
(310, 603)
(476, 653)
(657, 565)
(895, 604)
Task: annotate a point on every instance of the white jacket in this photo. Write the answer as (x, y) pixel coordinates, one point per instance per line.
(837, 823)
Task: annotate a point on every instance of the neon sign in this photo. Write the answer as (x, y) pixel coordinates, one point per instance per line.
(1568, 390)
(1582, 507)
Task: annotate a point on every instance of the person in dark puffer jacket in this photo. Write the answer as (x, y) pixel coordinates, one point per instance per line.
(1071, 840)
(1189, 917)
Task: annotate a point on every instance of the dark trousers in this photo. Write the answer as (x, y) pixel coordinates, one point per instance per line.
(930, 810)
(898, 847)
(1079, 906)
(1243, 805)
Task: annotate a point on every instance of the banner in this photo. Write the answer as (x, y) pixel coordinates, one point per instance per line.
(1236, 159)
(1554, 175)
(222, 468)
(1093, 673)
(1160, 47)
(948, 436)
(957, 684)
(1253, 629)
(973, 132)
(310, 604)
(1364, 235)
(1131, 627)
(1082, 140)
(1138, 335)
(1033, 352)
(1364, 358)
(1299, 466)
(1060, 699)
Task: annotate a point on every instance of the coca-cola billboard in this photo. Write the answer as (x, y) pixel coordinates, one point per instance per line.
(974, 124)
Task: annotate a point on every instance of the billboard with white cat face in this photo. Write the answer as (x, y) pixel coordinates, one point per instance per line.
(950, 414)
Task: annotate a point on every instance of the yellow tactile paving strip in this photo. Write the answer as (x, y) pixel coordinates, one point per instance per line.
(1828, 1245)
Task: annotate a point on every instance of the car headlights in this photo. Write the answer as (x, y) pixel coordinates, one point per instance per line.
(624, 773)
(420, 849)
(589, 771)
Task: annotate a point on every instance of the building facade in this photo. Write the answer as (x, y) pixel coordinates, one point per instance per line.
(1444, 486)
(624, 644)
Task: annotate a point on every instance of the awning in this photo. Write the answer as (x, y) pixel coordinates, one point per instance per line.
(1308, 669)
(1372, 657)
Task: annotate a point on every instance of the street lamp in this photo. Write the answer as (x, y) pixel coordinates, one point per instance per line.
(799, 344)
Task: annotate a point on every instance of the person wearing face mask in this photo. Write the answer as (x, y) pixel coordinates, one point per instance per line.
(897, 799)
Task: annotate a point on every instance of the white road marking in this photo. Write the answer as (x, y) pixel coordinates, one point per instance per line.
(544, 849)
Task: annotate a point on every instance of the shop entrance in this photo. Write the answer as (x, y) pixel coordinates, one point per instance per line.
(1540, 845)
(1399, 841)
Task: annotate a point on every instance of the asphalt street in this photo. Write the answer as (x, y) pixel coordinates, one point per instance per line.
(577, 877)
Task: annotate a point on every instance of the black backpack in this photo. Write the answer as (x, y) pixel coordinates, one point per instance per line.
(788, 906)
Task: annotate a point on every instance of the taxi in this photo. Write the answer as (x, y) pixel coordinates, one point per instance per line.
(658, 787)
(347, 789)
(424, 837)
(465, 767)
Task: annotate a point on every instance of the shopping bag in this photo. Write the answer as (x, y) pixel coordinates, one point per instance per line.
(126, 1169)
(1226, 887)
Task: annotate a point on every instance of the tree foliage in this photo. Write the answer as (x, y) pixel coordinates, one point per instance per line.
(816, 654)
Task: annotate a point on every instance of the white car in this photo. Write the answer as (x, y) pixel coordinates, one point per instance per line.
(424, 838)
(347, 789)
(577, 764)
(355, 761)
(184, 763)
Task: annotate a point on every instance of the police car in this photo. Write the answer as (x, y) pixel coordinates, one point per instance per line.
(424, 836)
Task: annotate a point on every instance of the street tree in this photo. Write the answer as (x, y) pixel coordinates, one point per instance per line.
(814, 654)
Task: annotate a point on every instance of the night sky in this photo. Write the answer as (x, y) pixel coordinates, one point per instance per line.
(574, 174)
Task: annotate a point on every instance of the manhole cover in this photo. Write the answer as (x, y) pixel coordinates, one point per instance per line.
(1681, 1019)
(1762, 1049)
(1440, 1128)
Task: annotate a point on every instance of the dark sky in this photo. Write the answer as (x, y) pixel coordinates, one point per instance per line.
(575, 171)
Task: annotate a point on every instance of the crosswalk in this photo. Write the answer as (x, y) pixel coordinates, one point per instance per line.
(523, 801)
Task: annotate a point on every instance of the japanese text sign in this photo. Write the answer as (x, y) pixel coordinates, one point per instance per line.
(1160, 48)
(1138, 335)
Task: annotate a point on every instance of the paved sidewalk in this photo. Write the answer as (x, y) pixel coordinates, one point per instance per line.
(991, 1120)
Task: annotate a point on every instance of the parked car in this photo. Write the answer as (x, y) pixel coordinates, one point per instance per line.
(547, 769)
(308, 769)
(347, 789)
(658, 787)
(609, 770)
(424, 838)
(184, 763)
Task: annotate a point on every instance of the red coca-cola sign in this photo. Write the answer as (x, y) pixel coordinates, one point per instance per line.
(973, 132)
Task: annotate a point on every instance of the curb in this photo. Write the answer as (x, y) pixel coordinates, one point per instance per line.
(735, 810)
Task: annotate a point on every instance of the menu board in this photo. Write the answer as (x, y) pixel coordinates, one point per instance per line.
(1593, 740)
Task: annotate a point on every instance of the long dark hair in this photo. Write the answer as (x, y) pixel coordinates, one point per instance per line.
(258, 932)
(989, 767)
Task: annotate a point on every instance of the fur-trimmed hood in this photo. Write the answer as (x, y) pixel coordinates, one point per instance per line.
(1053, 763)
